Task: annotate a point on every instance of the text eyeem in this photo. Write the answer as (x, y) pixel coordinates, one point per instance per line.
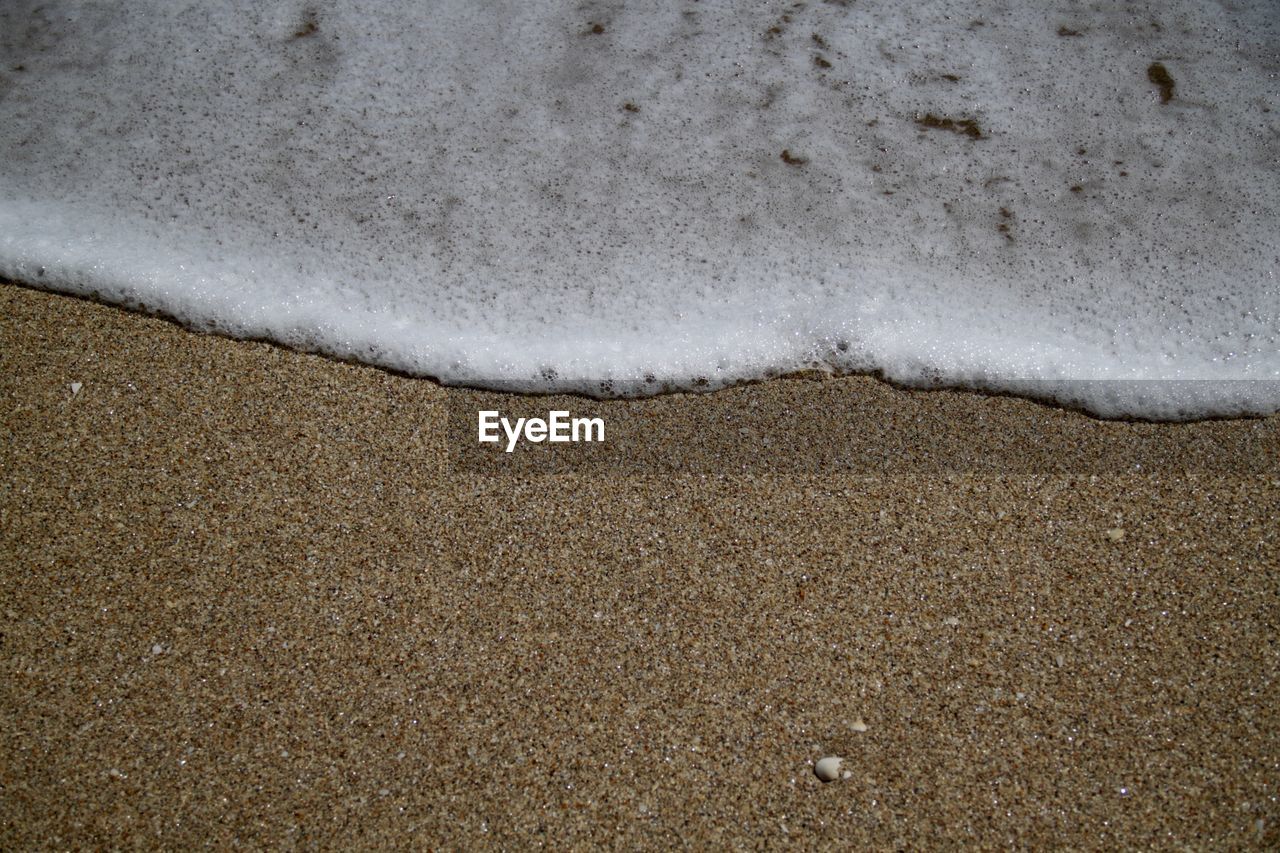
(557, 427)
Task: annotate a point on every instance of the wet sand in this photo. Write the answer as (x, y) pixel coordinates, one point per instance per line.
(263, 598)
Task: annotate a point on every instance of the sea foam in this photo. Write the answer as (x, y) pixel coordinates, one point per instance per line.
(1076, 203)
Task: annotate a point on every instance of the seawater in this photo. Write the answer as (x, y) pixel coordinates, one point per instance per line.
(1075, 201)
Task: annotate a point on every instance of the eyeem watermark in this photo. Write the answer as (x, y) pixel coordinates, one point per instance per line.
(772, 427)
(557, 428)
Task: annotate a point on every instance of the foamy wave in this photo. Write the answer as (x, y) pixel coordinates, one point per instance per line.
(634, 198)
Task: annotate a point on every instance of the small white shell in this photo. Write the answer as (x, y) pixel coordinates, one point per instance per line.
(828, 769)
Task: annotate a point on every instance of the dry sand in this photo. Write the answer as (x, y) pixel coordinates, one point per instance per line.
(255, 597)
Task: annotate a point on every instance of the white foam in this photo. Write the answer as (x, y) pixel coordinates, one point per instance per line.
(494, 192)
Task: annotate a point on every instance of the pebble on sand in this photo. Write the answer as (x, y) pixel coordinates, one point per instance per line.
(1116, 534)
(75, 388)
(828, 769)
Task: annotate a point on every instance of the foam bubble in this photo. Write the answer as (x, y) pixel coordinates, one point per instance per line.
(1077, 204)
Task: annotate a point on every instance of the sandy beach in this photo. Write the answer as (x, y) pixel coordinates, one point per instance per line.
(261, 598)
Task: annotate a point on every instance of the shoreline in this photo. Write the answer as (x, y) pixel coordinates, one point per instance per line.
(253, 596)
(1039, 391)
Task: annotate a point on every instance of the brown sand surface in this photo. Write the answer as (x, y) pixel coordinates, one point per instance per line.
(256, 598)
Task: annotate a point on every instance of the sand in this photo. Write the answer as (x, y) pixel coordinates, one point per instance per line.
(254, 597)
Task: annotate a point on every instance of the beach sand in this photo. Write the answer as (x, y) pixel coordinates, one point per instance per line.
(256, 597)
